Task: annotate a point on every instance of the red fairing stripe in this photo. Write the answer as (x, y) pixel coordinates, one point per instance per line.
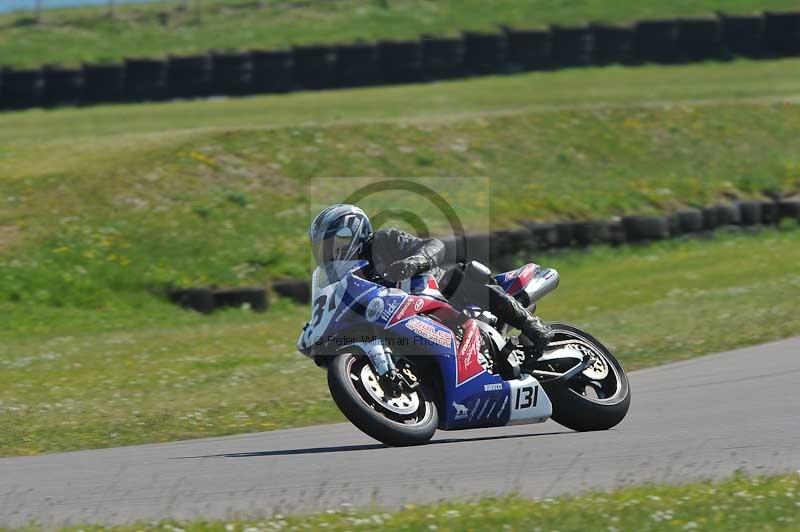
(413, 305)
(467, 364)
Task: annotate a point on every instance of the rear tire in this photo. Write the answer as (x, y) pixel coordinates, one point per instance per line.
(374, 418)
(578, 411)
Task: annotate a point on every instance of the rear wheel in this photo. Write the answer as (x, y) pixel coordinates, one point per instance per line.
(597, 398)
(410, 419)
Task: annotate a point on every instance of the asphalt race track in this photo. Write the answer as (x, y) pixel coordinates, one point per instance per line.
(704, 418)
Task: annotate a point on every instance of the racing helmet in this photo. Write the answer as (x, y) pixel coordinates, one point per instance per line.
(338, 233)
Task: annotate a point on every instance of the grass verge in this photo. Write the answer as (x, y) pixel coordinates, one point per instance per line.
(88, 34)
(740, 503)
(73, 379)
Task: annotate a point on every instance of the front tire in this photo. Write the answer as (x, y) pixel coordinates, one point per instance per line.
(410, 419)
(596, 399)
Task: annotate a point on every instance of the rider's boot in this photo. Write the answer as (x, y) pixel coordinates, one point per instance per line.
(511, 311)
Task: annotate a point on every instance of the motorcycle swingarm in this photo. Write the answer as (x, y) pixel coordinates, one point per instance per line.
(567, 375)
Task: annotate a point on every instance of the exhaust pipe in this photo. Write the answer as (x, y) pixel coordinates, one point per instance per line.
(542, 283)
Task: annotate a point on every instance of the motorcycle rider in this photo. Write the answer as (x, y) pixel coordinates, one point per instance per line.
(343, 232)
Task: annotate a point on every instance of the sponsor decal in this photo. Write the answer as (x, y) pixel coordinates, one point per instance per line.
(419, 304)
(403, 311)
(441, 337)
(461, 411)
(374, 309)
(467, 364)
(389, 310)
(494, 387)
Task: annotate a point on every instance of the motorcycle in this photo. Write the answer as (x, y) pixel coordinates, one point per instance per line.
(446, 363)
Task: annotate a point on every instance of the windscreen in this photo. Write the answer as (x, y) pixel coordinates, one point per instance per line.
(333, 272)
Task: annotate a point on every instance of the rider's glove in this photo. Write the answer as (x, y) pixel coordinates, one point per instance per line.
(407, 268)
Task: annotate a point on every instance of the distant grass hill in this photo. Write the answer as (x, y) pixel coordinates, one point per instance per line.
(88, 34)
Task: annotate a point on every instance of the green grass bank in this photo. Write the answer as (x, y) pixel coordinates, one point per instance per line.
(88, 34)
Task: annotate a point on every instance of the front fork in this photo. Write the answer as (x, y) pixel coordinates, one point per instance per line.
(380, 358)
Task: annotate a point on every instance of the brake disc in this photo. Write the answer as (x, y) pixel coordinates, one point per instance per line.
(404, 404)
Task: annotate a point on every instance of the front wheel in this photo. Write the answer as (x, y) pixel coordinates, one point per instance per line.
(597, 398)
(410, 419)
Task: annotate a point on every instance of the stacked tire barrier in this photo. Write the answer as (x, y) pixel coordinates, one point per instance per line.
(400, 61)
(699, 39)
(656, 41)
(231, 73)
(483, 52)
(613, 44)
(573, 46)
(442, 57)
(501, 248)
(21, 89)
(314, 67)
(145, 80)
(103, 83)
(743, 35)
(782, 33)
(272, 71)
(207, 300)
(357, 65)
(528, 49)
(189, 76)
(429, 58)
(61, 86)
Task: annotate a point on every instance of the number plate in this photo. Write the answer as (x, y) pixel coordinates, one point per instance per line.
(529, 402)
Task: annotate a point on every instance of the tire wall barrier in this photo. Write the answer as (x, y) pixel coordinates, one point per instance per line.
(699, 39)
(442, 57)
(314, 67)
(528, 49)
(484, 53)
(572, 46)
(657, 41)
(145, 79)
(189, 76)
(20, 89)
(743, 35)
(782, 33)
(429, 58)
(357, 65)
(231, 73)
(613, 44)
(272, 71)
(400, 61)
(207, 300)
(103, 83)
(61, 86)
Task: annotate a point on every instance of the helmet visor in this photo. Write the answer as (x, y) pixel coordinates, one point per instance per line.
(337, 246)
